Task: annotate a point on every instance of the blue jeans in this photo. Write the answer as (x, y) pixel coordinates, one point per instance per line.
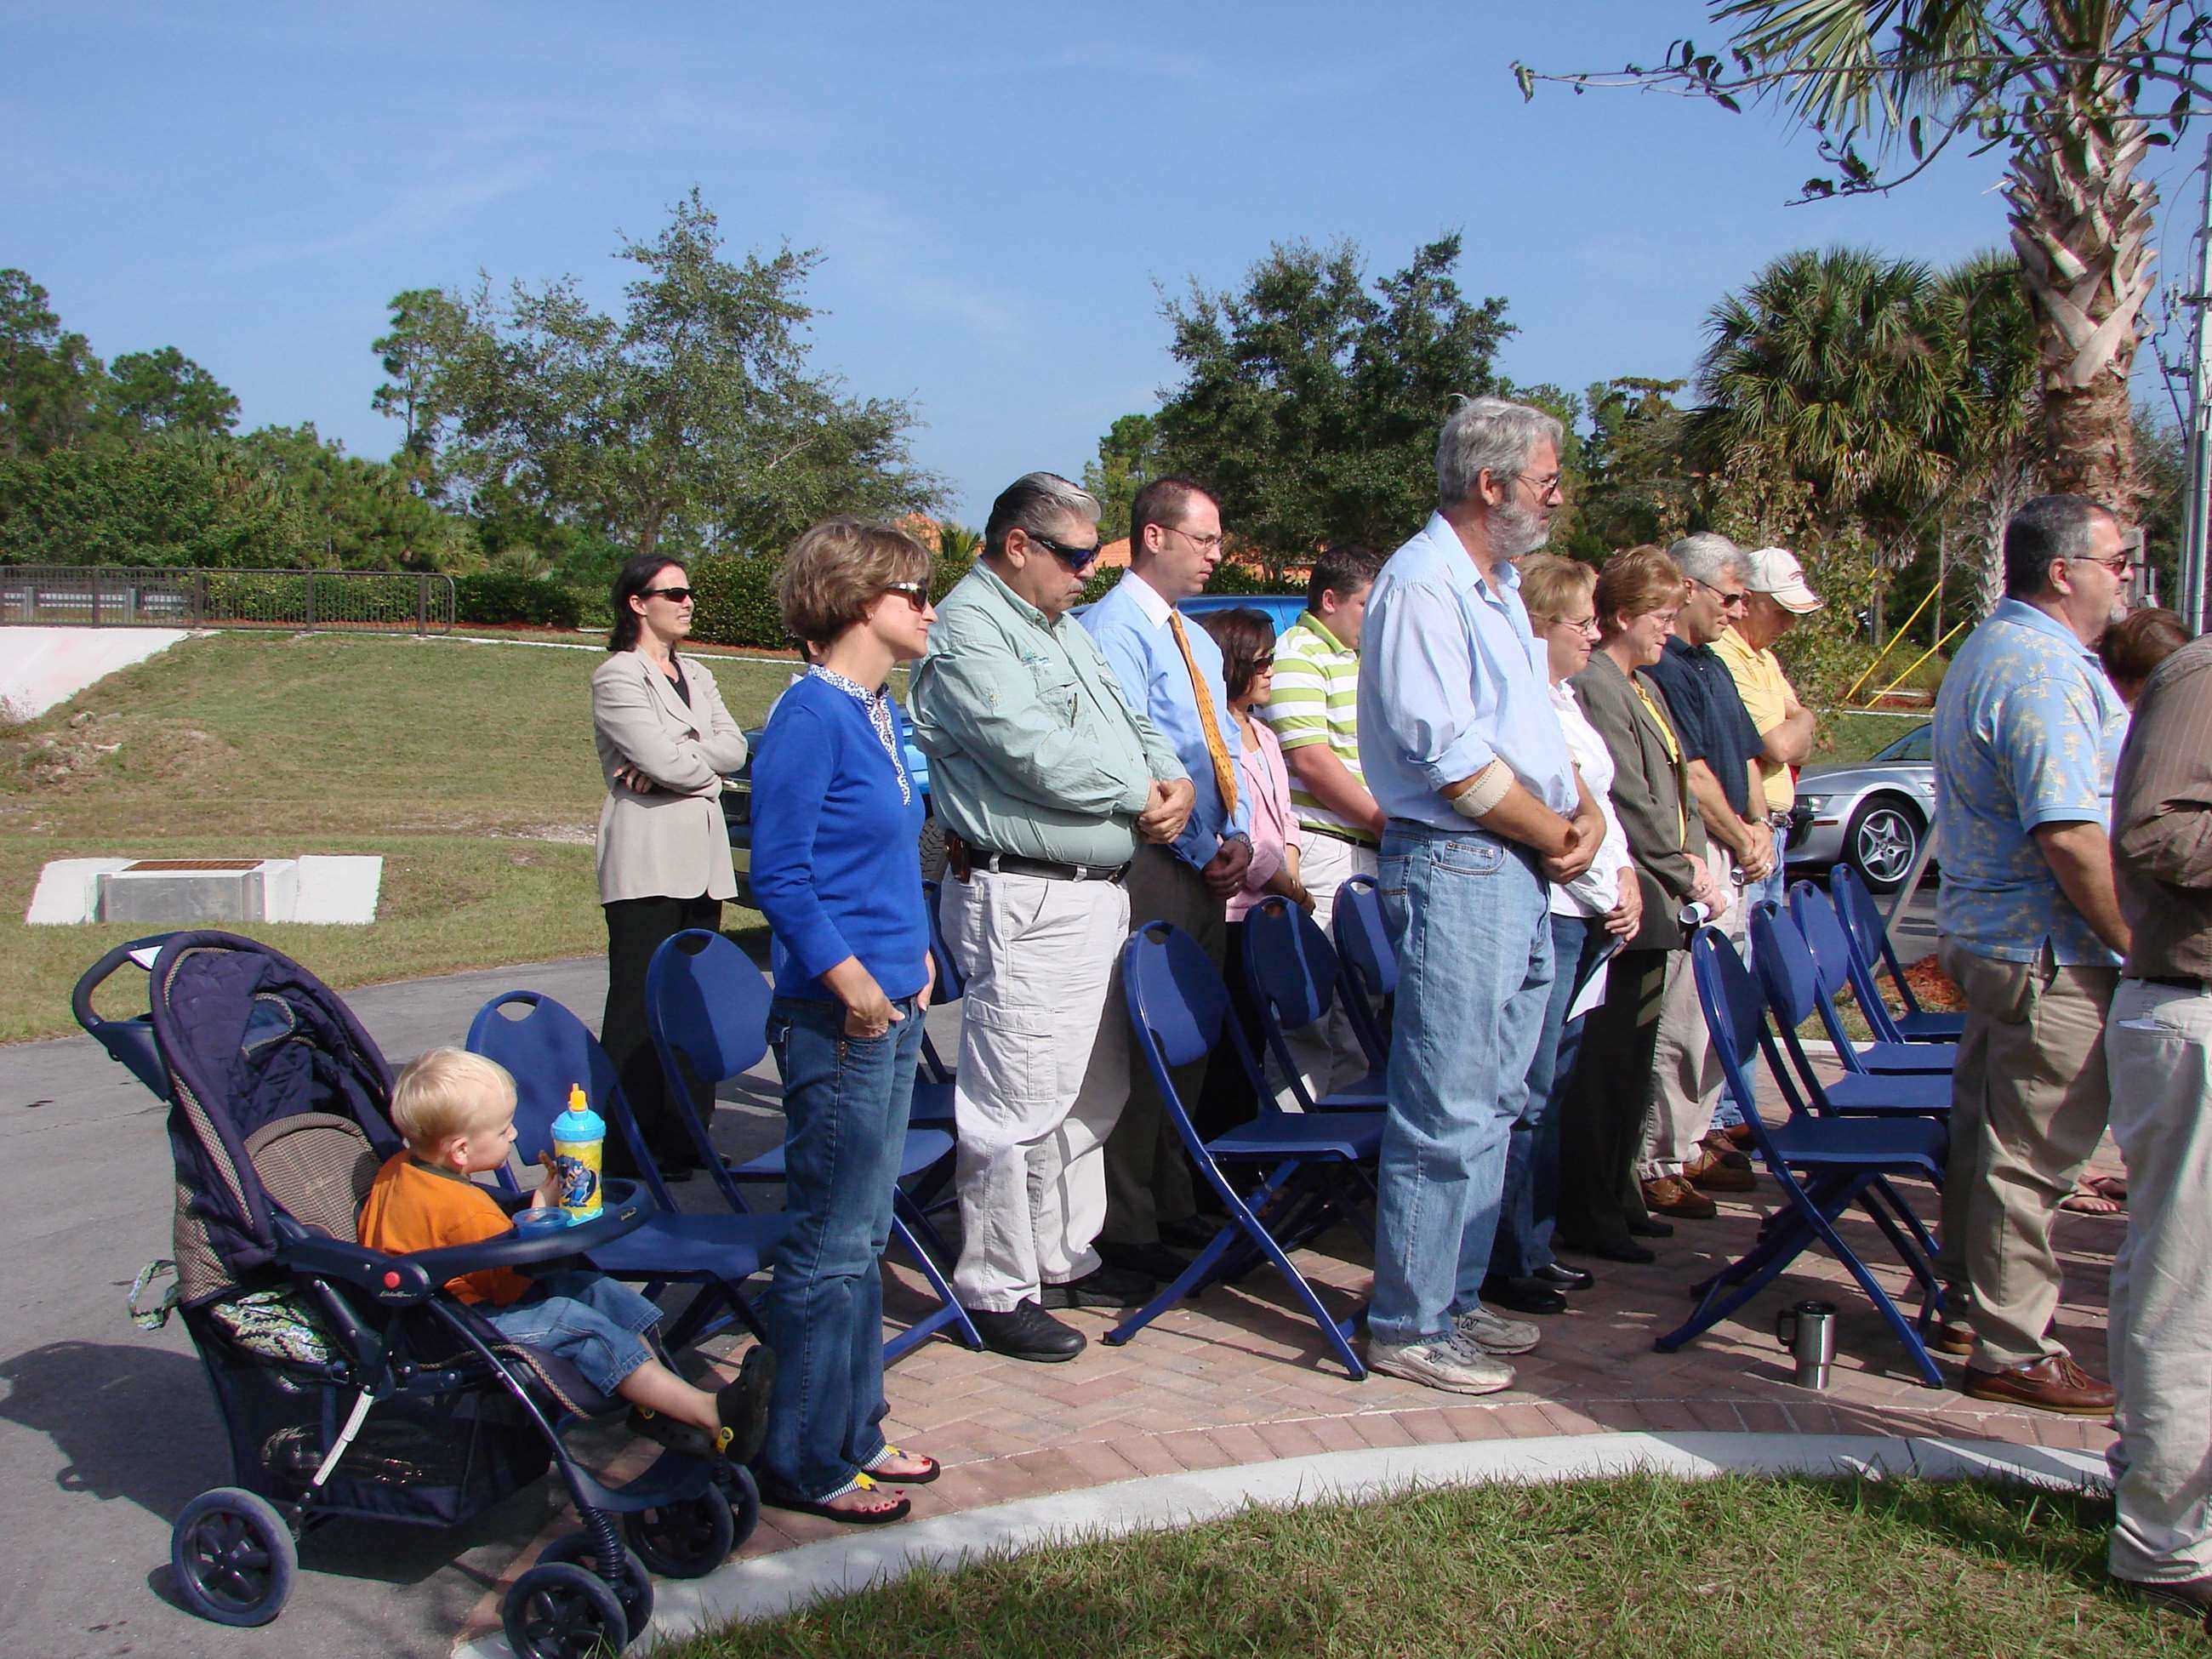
(845, 1104)
(1528, 1209)
(1468, 913)
(585, 1318)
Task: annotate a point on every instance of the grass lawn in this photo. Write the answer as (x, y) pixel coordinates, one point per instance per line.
(468, 766)
(1640, 1567)
(1853, 734)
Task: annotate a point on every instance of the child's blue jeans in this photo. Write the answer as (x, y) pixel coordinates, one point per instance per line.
(585, 1318)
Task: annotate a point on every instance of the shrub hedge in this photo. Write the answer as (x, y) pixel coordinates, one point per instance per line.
(734, 602)
(497, 596)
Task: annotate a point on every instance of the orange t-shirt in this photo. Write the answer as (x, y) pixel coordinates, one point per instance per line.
(418, 1206)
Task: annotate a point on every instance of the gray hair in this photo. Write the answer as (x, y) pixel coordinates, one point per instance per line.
(2049, 527)
(1036, 503)
(1706, 555)
(1488, 435)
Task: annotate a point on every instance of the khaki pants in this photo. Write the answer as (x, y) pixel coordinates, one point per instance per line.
(1686, 1070)
(1037, 955)
(2158, 1053)
(1147, 1177)
(2028, 1103)
(1326, 1052)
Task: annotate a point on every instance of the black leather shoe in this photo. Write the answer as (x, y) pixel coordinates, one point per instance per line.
(1527, 1295)
(1648, 1228)
(1194, 1233)
(1154, 1262)
(1608, 1249)
(1561, 1277)
(1028, 1332)
(1101, 1287)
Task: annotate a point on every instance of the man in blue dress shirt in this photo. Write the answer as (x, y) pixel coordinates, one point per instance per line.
(1172, 673)
(1461, 746)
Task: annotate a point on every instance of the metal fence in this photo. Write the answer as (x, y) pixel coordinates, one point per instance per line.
(123, 596)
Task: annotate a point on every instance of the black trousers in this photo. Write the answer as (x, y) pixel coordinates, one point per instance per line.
(1602, 1128)
(635, 929)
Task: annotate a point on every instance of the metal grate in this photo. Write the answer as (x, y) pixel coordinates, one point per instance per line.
(117, 595)
(195, 864)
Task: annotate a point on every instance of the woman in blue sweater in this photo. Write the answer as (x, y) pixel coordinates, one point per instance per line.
(836, 871)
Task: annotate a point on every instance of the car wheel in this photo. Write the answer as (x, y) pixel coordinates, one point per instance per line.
(932, 848)
(1882, 840)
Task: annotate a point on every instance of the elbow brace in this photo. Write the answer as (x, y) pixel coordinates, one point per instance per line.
(1488, 788)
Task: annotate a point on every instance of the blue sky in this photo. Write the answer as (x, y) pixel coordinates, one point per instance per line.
(995, 190)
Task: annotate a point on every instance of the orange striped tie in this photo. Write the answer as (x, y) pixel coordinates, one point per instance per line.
(1225, 771)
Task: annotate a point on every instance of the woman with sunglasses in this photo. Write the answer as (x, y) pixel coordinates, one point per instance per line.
(665, 741)
(837, 872)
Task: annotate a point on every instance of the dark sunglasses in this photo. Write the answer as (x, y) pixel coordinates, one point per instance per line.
(914, 593)
(1078, 559)
(677, 594)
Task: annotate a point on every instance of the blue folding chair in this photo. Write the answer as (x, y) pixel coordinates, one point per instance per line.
(548, 1050)
(1367, 962)
(1291, 972)
(1871, 952)
(1823, 1166)
(1179, 1010)
(933, 1081)
(706, 1006)
(1816, 921)
(1784, 967)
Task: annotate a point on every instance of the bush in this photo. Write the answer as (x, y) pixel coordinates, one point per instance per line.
(734, 603)
(496, 597)
(1229, 578)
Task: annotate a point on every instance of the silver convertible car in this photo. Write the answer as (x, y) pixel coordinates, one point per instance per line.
(1869, 814)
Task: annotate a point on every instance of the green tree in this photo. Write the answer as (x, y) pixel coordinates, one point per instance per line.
(691, 422)
(1310, 398)
(49, 379)
(2071, 88)
(186, 500)
(1637, 487)
(1129, 458)
(358, 515)
(165, 391)
(427, 329)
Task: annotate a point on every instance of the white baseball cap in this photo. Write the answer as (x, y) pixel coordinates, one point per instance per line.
(1776, 571)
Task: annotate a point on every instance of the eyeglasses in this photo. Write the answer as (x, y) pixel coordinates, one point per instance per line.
(1729, 601)
(1078, 559)
(674, 595)
(1547, 486)
(1206, 544)
(914, 593)
(1580, 624)
(2119, 564)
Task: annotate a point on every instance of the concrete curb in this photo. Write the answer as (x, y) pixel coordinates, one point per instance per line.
(764, 1587)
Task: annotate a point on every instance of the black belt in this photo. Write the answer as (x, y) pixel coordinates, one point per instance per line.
(2177, 981)
(1013, 863)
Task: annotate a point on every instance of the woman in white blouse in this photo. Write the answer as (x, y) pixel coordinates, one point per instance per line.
(1591, 915)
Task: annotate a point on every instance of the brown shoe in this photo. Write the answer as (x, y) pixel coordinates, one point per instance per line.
(1669, 1196)
(1952, 1337)
(2052, 1383)
(2192, 1596)
(1723, 1149)
(1711, 1174)
(1739, 1134)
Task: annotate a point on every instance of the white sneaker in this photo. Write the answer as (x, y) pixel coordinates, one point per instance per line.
(1442, 1361)
(1489, 1332)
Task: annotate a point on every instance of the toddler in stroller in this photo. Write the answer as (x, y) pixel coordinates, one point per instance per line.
(456, 1111)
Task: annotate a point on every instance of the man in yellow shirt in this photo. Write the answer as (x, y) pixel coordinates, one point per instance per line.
(1777, 595)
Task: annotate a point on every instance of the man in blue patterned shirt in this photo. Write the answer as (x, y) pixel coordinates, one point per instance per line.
(2027, 730)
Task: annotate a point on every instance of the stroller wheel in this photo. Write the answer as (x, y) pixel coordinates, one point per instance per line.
(743, 1494)
(233, 1557)
(631, 1583)
(560, 1610)
(685, 1539)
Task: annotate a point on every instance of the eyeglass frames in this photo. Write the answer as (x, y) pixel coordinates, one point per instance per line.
(914, 593)
(1077, 559)
(673, 595)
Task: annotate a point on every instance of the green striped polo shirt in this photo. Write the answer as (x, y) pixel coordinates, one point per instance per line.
(1315, 699)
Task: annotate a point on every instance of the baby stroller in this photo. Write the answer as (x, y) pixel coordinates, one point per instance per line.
(349, 1383)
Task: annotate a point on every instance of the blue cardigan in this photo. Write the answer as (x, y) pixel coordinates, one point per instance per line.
(836, 868)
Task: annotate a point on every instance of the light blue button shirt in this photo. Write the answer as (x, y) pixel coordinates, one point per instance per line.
(1450, 681)
(1130, 627)
(2027, 731)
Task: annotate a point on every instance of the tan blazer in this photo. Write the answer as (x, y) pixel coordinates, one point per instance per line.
(671, 843)
(1650, 795)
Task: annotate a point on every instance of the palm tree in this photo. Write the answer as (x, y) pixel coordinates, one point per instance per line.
(1982, 309)
(2054, 78)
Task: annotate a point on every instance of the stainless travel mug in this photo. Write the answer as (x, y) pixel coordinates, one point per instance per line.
(1807, 1330)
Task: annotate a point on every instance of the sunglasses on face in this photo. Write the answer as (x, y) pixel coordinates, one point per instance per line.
(1077, 559)
(1729, 601)
(914, 593)
(673, 595)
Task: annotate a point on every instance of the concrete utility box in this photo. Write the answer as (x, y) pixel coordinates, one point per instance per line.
(173, 891)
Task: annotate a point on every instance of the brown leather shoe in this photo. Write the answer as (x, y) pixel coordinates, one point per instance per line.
(1721, 1148)
(1739, 1134)
(1669, 1196)
(2052, 1383)
(1709, 1173)
(1953, 1336)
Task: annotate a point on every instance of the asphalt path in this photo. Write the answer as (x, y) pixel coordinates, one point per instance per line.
(106, 1431)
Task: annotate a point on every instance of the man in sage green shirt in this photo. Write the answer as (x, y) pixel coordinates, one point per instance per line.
(1045, 780)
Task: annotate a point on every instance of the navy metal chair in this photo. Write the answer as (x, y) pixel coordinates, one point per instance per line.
(1815, 919)
(1823, 1166)
(1784, 967)
(1313, 1161)
(1291, 972)
(548, 1050)
(1872, 951)
(932, 1080)
(707, 1005)
(1367, 962)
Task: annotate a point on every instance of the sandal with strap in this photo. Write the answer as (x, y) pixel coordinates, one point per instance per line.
(931, 1467)
(897, 1509)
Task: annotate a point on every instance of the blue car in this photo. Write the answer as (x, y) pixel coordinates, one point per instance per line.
(1281, 609)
